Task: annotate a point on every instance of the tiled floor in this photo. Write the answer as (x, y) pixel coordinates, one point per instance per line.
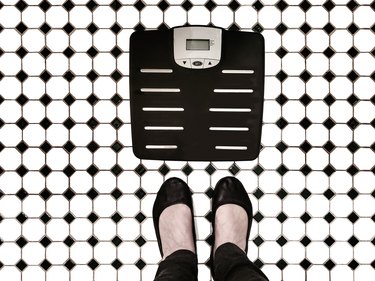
(75, 203)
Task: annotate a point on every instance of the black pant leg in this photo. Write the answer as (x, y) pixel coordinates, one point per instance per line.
(181, 265)
(232, 264)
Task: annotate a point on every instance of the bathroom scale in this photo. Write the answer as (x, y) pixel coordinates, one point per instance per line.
(196, 93)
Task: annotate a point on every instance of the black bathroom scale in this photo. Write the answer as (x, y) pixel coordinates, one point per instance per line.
(196, 93)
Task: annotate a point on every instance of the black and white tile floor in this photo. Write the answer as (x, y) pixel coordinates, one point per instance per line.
(75, 203)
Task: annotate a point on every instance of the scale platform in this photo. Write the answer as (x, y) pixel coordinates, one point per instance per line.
(196, 94)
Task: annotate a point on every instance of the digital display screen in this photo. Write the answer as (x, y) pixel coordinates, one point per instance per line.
(198, 44)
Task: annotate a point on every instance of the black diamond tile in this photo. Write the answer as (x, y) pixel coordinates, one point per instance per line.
(281, 123)
(140, 264)
(69, 218)
(69, 99)
(45, 76)
(282, 5)
(93, 264)
(93, 146)
(69, 123)
(305, 264)
(353, 217)
(258, 217)
(45, 28)
(258, 241)
(116, 75)
(305, 99)
(22, 123)
(140, 217)
(140, 241)
(92, 75)
(281, 146)
(22, 76)
(45, 218)
(329, 170)
(329, 5)
(68, 241)
(140, 170)
(164, 169)
(116, 123)
(329, 217)
(352, 52)
(282, 217)
(45, 194)
(116, 146)
(353, 147)
(92, 193)
(352, 5)
(258, 5)
(116, 99)
(21, 265)
(353, 193)
(329, 146)
(140, 193)
(45, 170)
(234, 5)
(21, 27)
(69, 264)
(22, 170)
(69, 76)
(68, 5)
(139, 27)
(329, 52)
(116, 241)
(45, 241)
(282, 170)
(21, 217)
(353, 28)
(353, 264)
(69, 146)
(281, 241)
(116, 5)
(92, 99)
(45, 52)
(329, 264)
(91, 5)
(281, 28)
(22, 193)
(258, 193)
(116, 217)
(305, 76)
(45, 99)
(305, 123)
(282, 99)
(69, 193)
(21, 52)
(21, 5)
(305, 241)
(329, 99)
(352, 99)
(209, 192)
(116, 193)
(257, 28)
(45, 147)
(22, 147)
(116, 52)
(92, 28)
(234, 169)
(305, 5)
(328, 193)
(139, 5)
(116, 170)
(210, 5)
(210, 169)
(282, 193)
(258, 169)
(187, 169)
(116, 28)
(305, 28)
(281, 52)
(281, 76)
(92, 52)
(281, 264)
(69, 171)
(305, 217)
(352, 170)
(93, 217)
(116, 264)
(329, 241)
(329, 123)
(305, 193)
(353, 123)
(187, 5)
(92, 170)
(45, 5)
(328, 28)
(305, 52)
(92, 123)
(163, 26)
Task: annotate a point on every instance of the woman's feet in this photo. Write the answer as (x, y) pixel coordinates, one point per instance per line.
(173, 217)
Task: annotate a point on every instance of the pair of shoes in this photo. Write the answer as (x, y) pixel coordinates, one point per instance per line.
(228, 190)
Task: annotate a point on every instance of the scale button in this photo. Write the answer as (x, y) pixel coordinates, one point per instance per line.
(184, 62)
(210, 63)
(197, 63)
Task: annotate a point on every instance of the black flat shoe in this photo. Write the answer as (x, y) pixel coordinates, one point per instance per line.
(173, 191)
(230, 190)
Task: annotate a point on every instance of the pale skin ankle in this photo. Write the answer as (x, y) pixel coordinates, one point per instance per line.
(230, 226)
(175, 225)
